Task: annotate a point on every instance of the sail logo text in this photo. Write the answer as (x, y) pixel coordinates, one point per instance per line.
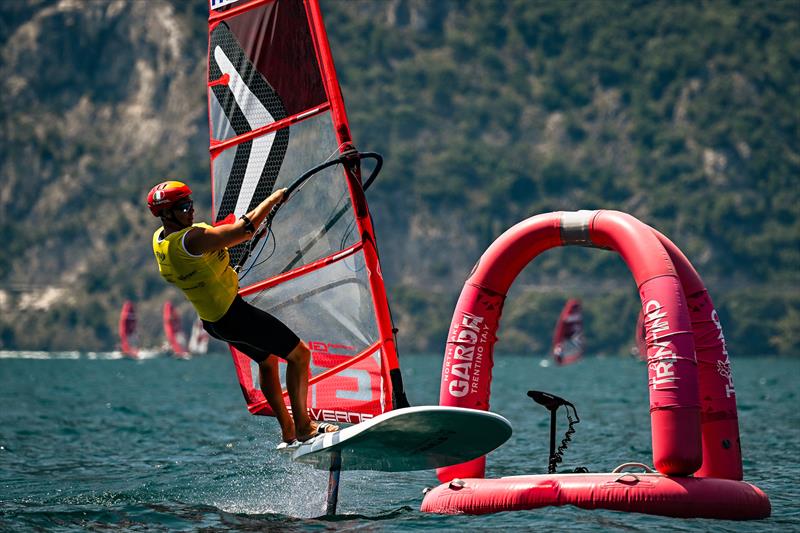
(216, 4)
(468, 342)
(723, 367)
(664, 359)
(332, 415)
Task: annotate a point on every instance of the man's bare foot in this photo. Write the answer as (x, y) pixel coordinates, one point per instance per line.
(287, 446)
(288, 433)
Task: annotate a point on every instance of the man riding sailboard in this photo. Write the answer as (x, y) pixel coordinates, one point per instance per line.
(195, 258)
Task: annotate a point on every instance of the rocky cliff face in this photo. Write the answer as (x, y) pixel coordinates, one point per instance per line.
(101, 99)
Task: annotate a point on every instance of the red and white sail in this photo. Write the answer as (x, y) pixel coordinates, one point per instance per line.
(198, 339)
(568, 334)
(173, 330)
(275, 111)
(128, 342)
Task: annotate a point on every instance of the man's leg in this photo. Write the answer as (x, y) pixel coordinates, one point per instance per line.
(271, 387)
(297, 385)
(254, 331)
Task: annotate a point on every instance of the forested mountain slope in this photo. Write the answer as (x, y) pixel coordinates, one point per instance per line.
(683, 114)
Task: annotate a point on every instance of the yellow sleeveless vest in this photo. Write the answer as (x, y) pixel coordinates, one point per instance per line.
(207, 280)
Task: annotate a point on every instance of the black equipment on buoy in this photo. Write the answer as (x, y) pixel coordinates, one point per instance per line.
(552, 403)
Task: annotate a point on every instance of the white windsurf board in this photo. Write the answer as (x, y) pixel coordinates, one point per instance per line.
(412, 438)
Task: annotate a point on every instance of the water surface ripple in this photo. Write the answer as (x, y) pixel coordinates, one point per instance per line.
(94, 442)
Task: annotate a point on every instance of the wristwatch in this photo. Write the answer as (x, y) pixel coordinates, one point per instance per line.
(248, 224)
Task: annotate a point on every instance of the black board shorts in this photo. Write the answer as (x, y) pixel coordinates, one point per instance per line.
(254, 332)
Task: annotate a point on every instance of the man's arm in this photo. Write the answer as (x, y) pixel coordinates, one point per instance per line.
(204, 240)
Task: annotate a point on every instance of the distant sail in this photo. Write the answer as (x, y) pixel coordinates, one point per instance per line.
(198, 339)
(568, 335)
(129, 345)
(275, 111)
(176, 339)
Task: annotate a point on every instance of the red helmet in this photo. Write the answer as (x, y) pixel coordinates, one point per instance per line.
(165, 195)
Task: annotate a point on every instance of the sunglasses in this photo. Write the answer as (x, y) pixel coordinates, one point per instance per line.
(185, 206)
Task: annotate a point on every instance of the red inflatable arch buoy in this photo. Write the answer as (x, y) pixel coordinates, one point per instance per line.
(693, 412)
(674, 397)
(719, 420)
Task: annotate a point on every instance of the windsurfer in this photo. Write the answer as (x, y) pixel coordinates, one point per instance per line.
(195, 258)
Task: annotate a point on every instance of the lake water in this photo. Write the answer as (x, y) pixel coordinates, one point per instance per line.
(93, 442)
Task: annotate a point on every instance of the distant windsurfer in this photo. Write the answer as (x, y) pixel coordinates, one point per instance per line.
(194, 257)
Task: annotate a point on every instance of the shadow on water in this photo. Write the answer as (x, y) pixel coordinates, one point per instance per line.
(172, 516)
